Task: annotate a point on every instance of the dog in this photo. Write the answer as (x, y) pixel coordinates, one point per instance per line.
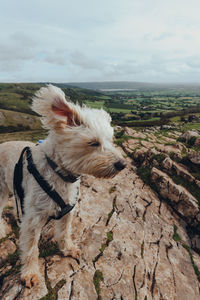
(79, 141)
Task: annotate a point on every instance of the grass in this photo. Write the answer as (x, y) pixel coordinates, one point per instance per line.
(196, 270)
(97, 278)
(53, 292)
(48, 248)
(158, 157)
(176, 236)
(112, 211)
(190, 186)
(103, 246)
(95, 104)
(31, 135)
(112, 189)
(145, 174)
(191, 126)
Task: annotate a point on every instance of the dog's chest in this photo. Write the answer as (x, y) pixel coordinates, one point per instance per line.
(70, 192)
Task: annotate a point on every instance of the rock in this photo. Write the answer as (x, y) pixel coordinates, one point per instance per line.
(129, 131)
(197, 142)
(129, 250)
(7, 247)
(194, 157)
(147, 144)
(172, 167)
(177, 195)
(187, 135)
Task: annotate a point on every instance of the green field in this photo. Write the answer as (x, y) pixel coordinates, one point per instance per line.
(142, 106)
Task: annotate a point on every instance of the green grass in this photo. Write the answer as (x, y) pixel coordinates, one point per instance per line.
(145, 174)
(97, 278)
(191, 126)
(32, 135)
(53, 292)
(190, 186)
(95, 104)
(176, 236)
(48, 248)
(196, 270)
(117, 110)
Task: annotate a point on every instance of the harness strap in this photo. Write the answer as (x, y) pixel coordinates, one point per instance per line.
(68, 177)
(17, 182)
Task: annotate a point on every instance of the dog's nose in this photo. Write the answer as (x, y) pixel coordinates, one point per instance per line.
(120, 165)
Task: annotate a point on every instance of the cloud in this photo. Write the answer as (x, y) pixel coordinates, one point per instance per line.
(80, 59)
(57, 57)
(107, 40)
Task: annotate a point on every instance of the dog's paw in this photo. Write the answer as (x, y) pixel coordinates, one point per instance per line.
(30, 280)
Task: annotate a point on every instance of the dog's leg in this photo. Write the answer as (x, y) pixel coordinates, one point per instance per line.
(4, 195)
(29, 236)
(63, 232)
(2, 222)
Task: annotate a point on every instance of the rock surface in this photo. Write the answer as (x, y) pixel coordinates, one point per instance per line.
(133, 244)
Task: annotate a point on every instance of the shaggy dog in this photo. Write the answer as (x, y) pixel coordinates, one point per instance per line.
(80, 141)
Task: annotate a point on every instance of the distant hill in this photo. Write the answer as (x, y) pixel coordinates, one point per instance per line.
(131, 85)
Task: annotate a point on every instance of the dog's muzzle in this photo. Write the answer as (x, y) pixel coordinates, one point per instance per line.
(120, 165)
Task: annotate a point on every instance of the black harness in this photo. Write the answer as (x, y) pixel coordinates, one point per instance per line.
(19, 192)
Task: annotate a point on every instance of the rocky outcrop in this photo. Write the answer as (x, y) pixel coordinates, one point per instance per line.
(194, 157)
(180, 199)
(138, 233)
(187, 135)
(133, 246)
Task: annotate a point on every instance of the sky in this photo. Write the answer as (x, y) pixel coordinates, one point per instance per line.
(107, 40)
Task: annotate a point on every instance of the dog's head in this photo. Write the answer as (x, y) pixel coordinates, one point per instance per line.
(82, 137)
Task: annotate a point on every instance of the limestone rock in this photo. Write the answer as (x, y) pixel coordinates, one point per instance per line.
(194, 157)
(133, 244)
(187, 135)
(181, 199)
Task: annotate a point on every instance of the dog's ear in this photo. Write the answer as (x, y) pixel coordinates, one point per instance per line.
(66, 111)
(51, 104)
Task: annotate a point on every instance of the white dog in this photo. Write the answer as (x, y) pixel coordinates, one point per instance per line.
(80, 141)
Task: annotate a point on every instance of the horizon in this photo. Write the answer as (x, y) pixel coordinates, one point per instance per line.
(103, 81)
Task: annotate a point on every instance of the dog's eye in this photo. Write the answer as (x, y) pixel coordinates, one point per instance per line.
(94, 144)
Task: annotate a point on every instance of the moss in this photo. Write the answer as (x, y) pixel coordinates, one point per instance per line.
(192, 187)
(109, 237)
(48, 249)
(103, 246)
(53, 292)
(119, 134)
(112, 211)
(122, 139)
(192, 140)
(181, 139)
(145, 174)
(196, 270)
(158, 157)
(112, 189)
(97, 278)
(176, 236)
(172, 155)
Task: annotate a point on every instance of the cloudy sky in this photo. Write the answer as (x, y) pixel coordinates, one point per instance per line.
(107, 40)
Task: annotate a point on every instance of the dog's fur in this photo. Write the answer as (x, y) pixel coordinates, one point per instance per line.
(80, 140)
